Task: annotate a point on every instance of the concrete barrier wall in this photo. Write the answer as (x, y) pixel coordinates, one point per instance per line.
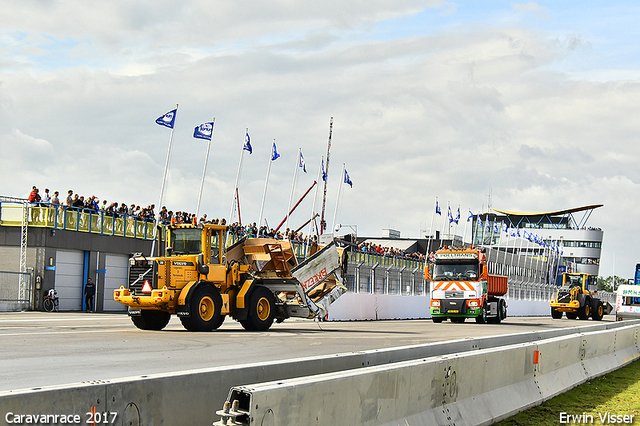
(473, 388)
(365, 306)
(192, 397)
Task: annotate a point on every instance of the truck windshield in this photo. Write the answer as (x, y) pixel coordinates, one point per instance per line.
(458, 270)
(186, 241)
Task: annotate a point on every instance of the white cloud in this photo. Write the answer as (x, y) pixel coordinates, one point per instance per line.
(452, 112)
(531, 7)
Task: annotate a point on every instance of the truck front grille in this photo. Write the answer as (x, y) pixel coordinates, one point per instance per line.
(141, 271)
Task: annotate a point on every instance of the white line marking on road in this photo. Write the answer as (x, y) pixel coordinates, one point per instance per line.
(48, 333)
(42, 319)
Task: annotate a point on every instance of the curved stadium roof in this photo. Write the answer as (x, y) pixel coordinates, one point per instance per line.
(552, 213)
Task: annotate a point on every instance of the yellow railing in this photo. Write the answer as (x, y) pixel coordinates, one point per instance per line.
(58, 217)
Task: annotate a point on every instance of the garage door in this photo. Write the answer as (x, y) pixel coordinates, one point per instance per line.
(69, 274)
(115, 276)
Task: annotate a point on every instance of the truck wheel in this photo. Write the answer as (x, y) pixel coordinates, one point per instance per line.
(502, 310)
(482, 318)
(598, 312)
(572, 315)
(151, 320)
(437, 320)
(204, 311)
(261, 310)
(502, 313)
(584, 312)
(555, 314)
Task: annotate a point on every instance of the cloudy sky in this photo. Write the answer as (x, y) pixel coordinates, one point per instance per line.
(534, 103)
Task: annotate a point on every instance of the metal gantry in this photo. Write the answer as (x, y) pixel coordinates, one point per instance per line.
(24, 278)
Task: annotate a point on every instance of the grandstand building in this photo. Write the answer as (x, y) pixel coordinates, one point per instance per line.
(563, 235)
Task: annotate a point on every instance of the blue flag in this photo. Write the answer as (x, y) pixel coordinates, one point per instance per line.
(495, 228)
(438, 211)
(302, 164)
(347, 179)
(470, 217)
(168, 119)
(450, 215)
(457, 218)
(324, 174)
(247, 143)
(204, 131)
(505, 229)
(479, 222)
(274, 153)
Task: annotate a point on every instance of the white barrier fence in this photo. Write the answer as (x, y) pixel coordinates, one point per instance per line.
(192, 397)
(363, 306)
(472, 388)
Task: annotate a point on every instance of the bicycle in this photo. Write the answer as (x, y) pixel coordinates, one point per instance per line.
(51, 301)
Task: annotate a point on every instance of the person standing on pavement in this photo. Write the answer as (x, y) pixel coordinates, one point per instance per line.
(89, 293)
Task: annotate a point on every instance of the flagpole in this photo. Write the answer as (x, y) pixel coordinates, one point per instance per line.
(326, 171)
(293, 186)
(504, 261)
(464, 236)
(204, 171)
(164, 178)
(235, 192)
(520, 251)
(430, 231)
(266, 182)
(455, 228)
(335, 213)
(313, 208)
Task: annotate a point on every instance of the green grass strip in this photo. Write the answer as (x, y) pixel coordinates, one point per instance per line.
(616, 393)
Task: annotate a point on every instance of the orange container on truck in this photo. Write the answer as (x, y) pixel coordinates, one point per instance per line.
(461, 287)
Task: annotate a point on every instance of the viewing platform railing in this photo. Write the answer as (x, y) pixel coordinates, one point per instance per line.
(77, 219)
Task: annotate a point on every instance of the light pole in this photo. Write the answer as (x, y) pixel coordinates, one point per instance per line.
(354, 228)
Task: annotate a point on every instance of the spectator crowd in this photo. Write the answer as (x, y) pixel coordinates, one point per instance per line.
(117, 209)
(90, 204)
(389, 251)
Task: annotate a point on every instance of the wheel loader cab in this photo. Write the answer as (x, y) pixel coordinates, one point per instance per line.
(199, 250)
(185, 241)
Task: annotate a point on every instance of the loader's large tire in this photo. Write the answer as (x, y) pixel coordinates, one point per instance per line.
(585, 310)
(598, 312)
(261, 310)
(205, 310)
(572, 315)
(151, 320)
(555, 314)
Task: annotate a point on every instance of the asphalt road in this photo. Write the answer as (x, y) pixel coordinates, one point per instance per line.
(42, 349)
